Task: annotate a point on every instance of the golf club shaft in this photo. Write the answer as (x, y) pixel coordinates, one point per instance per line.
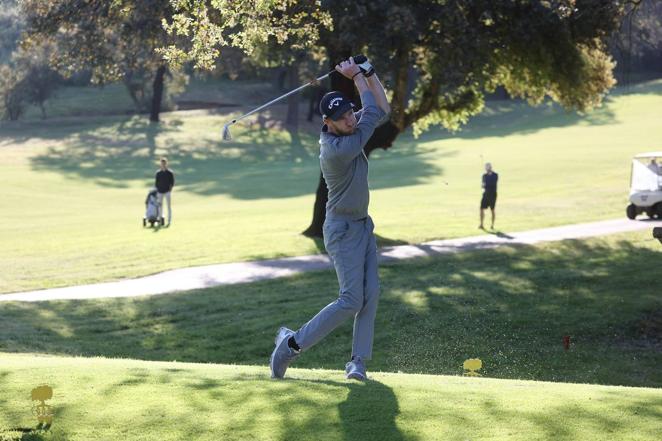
(281, 97)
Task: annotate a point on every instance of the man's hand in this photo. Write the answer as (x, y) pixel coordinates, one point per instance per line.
(364, 65)
(348, 68)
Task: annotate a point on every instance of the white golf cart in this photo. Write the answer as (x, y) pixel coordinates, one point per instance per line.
(646, 186)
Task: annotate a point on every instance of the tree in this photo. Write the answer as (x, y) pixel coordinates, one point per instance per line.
(115, 40)
(259, 28)
(440, 57)
(13, 96)
(207, 26)
(637, 46)
(119, 39)
(295, 67)
(39, 81)
(27, 79)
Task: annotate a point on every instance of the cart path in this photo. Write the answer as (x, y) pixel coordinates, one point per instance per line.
(207, 276)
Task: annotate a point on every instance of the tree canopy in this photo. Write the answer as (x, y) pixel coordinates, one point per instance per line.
(209, 25)
(440, 57)
(131, 40)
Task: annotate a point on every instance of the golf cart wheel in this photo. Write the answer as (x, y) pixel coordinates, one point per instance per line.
(658, 210)
(631, 211)
(162, 221)
(144, 222)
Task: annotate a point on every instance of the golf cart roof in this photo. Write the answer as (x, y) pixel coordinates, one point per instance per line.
(649, 155)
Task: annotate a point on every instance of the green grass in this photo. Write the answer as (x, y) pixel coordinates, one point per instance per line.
(509, 307)
(114, 99)
(72, 101)
(127, 399)
(74, 189)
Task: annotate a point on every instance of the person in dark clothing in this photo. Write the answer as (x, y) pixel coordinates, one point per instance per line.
(164, 181)
(489, 184)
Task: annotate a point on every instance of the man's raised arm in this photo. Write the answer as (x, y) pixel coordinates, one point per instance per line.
(378, 92)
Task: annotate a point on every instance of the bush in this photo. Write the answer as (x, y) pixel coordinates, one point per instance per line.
(13, 93)
(27, 80)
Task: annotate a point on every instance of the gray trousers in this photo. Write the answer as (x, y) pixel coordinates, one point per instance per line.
(159, 198)
(353, 250)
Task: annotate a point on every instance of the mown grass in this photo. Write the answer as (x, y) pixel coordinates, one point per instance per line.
(509, 307)
(114, 99)
(137, 400)
(74, 189)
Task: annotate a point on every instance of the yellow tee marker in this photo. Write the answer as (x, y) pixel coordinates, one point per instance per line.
(471, 366)
(43, 411)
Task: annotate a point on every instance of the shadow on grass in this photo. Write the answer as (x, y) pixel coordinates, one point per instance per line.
(254, 407)
(368, 411)
(261, 162)
(510, 307)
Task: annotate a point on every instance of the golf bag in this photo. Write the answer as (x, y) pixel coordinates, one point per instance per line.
(152, 209)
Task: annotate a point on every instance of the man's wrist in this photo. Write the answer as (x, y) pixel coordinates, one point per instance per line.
(356, 74)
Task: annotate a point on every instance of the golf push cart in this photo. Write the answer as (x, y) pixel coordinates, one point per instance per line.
(152, 210)
(646, 186)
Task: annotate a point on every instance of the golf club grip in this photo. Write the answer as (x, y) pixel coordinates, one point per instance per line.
(358, 59)
(281, 97)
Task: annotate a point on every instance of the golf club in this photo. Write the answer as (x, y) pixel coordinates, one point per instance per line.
(358, 59)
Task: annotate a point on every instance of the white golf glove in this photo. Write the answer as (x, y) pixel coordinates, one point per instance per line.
(364, 64)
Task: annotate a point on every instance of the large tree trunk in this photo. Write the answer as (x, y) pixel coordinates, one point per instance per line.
(292, 120)
(157, 94)
(383, 138)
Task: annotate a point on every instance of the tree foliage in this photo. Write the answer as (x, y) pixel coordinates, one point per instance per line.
(108, 37)
(28, 79)
(11, 93)
(209, 25)
(38, 80)
(130, 40)
(115, 40)
(440, 57)
(637, 46)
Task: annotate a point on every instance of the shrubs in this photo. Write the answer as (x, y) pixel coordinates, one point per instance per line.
(28, 79)
(13, 93)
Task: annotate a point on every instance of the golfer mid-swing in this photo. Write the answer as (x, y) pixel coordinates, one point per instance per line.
(348, 230)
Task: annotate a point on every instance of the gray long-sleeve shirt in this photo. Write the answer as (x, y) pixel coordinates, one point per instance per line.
(345, 166)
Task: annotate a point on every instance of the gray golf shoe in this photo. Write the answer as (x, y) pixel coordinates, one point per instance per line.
(355, 369)
(282, 355)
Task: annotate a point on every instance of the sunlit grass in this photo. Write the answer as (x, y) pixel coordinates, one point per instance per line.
(509, 307)
(74, 190)
(129, 399)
